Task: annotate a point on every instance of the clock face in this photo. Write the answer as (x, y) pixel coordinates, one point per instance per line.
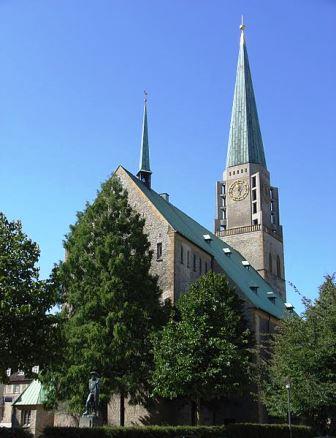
(238, 190)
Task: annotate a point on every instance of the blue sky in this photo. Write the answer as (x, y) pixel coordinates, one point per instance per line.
(71, 94)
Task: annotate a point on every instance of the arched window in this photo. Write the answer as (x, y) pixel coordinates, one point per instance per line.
(278, 267)
(270, 263)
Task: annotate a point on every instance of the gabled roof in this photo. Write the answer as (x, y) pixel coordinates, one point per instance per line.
(32, 396)
(243, 277)
(245, 141)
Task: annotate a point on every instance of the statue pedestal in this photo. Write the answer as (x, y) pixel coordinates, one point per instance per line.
(90, 421)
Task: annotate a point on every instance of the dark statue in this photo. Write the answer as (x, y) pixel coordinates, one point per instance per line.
(92, 401)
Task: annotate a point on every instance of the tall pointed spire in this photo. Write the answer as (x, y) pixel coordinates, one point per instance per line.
(144, 173)
(245, 142)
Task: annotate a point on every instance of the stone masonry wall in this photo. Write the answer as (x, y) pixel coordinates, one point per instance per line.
(158, 231)
(251, 246)
(185, 270)
(44, 418)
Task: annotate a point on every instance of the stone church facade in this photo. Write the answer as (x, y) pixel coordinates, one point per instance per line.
(246, 246)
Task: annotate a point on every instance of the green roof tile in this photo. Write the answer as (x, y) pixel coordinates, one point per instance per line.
(231, 264)
(245, 141)
(33, 395)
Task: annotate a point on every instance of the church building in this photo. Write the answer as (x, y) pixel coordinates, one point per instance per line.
(247, 244)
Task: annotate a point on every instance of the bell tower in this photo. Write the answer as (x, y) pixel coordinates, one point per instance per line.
(247, 210)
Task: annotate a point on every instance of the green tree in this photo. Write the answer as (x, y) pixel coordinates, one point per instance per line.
(111, 303)
(202, 353)
(25, 325)
(304, 351)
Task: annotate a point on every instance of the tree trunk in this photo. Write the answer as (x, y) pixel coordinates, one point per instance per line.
(198, 412)
(103, 412)
(122, 409)
(193, 413)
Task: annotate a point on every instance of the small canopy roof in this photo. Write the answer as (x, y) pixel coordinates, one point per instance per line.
(33, 395)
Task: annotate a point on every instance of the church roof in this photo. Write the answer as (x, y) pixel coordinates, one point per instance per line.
(144, 165)
(245, 141)
(251, 284)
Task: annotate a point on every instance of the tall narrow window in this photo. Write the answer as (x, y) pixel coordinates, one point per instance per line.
(182, 255)
(278, 267)
(270, 262)
(25, 418)
(206, 267)
(194, 262)
(188, 259)
(8, 389)
(254, 207)
(254, 181)
(159, 251)
(16, 389)
(200, 266)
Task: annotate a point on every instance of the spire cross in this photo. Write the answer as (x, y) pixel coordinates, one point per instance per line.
(145, 94)
(242, 25)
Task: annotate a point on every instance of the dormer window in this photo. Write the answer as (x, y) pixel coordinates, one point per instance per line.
(254, 288)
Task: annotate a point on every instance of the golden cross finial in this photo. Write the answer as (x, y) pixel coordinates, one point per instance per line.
(242, 25)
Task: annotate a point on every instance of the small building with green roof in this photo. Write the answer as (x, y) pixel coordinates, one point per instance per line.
(29, 412)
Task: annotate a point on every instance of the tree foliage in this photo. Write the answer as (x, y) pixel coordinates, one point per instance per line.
(304, 352)
(111, 302)
(25, 300)
(202, 353)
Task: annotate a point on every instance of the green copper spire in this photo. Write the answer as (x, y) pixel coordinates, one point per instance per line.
(245, 142)
(144, 167)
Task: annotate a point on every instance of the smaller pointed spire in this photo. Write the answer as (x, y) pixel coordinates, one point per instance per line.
(144, 173)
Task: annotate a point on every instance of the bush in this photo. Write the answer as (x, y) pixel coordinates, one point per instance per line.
(135, 432)
(16, 433)
(267, 431)
(230, 431)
